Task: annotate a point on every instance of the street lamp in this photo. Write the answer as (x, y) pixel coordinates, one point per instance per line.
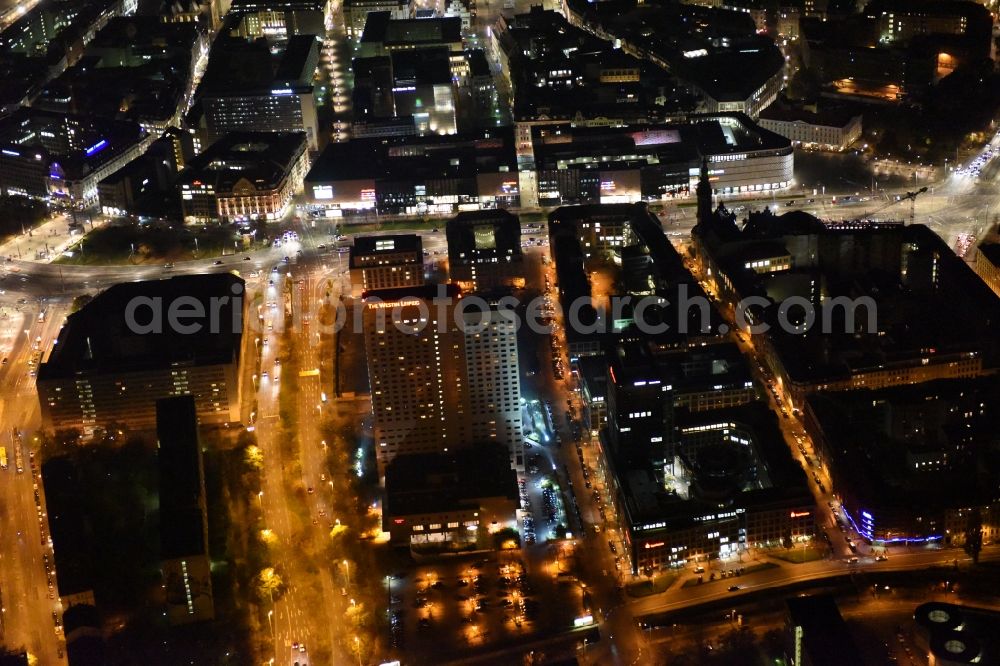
(357, 648)
(347, 571)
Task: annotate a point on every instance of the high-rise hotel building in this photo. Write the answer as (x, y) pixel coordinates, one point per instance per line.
(494, 383)
(416, 367)
(442, 375)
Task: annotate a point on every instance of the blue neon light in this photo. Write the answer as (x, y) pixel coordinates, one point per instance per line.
(12, 153)
(97, 147)
(868, 519)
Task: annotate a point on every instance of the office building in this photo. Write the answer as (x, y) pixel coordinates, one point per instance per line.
(416, 175)
(442, 377)
(494, 380)
(106, 369)
(244, 176)
(136, 68)
(891, 304)
(885, 449)
(988, 261)
(968, 22)
(817, 635)
(731, 485)
(590, 245)
(71, 531)
(386, 262)
(557, 71)
(61, 157)
(484, 249)
(449, 500)
(144, 186)
(257, 86)
(185, 564)
(726, 63)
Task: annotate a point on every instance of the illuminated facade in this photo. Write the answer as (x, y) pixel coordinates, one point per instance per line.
(100, 374)
(449, 499)
(386, 262)
(417, 175)
(484, 249)
(244, 176)
(417, 372)
(732, 486)
(61, 158)
(886, 448)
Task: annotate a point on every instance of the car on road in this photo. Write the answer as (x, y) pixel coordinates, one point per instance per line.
(881, 558)
(246, 258)
(218, 262)
(734, 588)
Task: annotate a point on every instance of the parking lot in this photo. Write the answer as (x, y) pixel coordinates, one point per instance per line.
(448, 608)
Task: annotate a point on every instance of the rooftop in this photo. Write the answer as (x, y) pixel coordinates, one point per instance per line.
(825, 637)
(412, 158)
(72, 144)
(885, 446)
(960, 634)
(181, 518)
(762, 472)
(440, 482)
(381, 28)
(257, 160)
(98, 339)
(928, 303)
(371, 246)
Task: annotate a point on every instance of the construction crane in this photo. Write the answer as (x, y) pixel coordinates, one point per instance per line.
(911, 196)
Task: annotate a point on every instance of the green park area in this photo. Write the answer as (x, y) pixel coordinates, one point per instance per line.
(153, 243)
(655, 585)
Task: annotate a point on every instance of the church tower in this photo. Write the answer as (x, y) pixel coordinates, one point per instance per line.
(704, 193)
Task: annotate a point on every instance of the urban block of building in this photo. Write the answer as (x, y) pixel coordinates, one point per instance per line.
(812, 127)
(136, 68)
(625, 241)
(60, 157)
(384, 34)
(279, 18)
(106, 369)
(818, 634)
(886, 449)
(244, 176)
(356, 13)
(877, 304)
(629, 163)
(718, 54)
(988, 260)
(257, 85)
(442, 376)
(561, 72)
(730, 485)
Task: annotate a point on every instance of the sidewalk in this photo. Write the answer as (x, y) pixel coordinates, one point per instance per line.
(48, 240)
